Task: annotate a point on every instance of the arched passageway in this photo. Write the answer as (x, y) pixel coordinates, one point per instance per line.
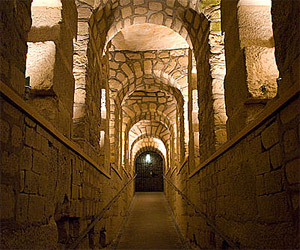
(89, 88)
(149, 171)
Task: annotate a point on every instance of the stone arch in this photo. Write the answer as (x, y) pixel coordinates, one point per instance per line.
(132, 152)
(158, 116)
(202, 26)
(148, 147)
(148, 129)
(165, 128)
(131, 70)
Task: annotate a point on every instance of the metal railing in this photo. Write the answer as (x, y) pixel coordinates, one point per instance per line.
(209, 222)
(84, 233)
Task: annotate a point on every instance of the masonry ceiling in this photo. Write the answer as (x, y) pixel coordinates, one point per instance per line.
(143, 37)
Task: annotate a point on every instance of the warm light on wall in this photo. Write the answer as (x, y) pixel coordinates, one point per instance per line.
(255, 2)
(47, 3)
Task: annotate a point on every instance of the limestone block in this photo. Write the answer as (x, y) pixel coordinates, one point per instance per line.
(170, 67)
(124, 2)
(159, 66)
(39, 163)
(196, 23)
(273, 182)
(273, 208)
(11, 111)
(36, 208)
(83, 28)
(40, 65)
(31, 182)
(5, 131)
(126, 12)
(114, 84)
(138, 70)
(121, 77)
(262, 163)
(126, 69)
(260, 185)
(17, 80)
(292, 170)
(156, 18)
(79, 111)
(276, 156)
(43, 188)
(119, 57)
(140, 11)
(149, 55)
(170, 3)
(80, 96)
(10, 163)
(45, 22)
(138, 2)
(262, 72)
(133, 56)
(290, 141)
(155, 6)
(255, 25)
(148, 66)
(270, 135)
(16, 136)
(290, 112)
(26, 158)
(114, 65)
(183, 61)
(84, 13)
(7, 204)
(189, 16)
(22, 207)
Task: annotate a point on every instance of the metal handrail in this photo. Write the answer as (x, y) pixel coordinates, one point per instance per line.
(204, 216)
(74, 244)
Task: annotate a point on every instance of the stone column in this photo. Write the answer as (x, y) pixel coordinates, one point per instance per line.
(49, 61)
(287, 42)
(251, 68)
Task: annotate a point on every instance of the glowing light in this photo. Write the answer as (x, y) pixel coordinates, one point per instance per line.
(148, 158)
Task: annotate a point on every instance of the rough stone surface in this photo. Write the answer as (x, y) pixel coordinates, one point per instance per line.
(117, 99)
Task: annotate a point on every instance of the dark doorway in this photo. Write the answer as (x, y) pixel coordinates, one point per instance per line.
(149, 170)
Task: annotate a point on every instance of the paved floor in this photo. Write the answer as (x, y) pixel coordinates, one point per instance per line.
(150, 225)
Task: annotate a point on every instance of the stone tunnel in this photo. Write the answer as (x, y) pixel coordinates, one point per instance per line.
(150, 124)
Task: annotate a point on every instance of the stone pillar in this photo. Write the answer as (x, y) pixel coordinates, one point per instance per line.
(251, 68)
(210, 64)
(193, 111)
(15, 25)
(287, 42)
(50, 61)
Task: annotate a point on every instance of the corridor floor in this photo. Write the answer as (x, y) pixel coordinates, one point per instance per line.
(150, 225)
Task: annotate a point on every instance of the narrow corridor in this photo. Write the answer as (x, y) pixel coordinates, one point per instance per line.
(150, 224)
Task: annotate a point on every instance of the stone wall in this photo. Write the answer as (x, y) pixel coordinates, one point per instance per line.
(49, 61)
(15, 22)
(150, 85)
(91, 74)
(198, 23)
(250, 62)
(250, 191)
(49, 192)
(287, 40)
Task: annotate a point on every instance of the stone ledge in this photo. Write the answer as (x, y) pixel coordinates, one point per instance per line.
(262, 117)
(27, 109)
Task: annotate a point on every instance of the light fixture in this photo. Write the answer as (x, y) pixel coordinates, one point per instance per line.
(148, 158)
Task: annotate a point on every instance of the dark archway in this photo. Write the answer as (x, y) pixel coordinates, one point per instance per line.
(149, 170)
